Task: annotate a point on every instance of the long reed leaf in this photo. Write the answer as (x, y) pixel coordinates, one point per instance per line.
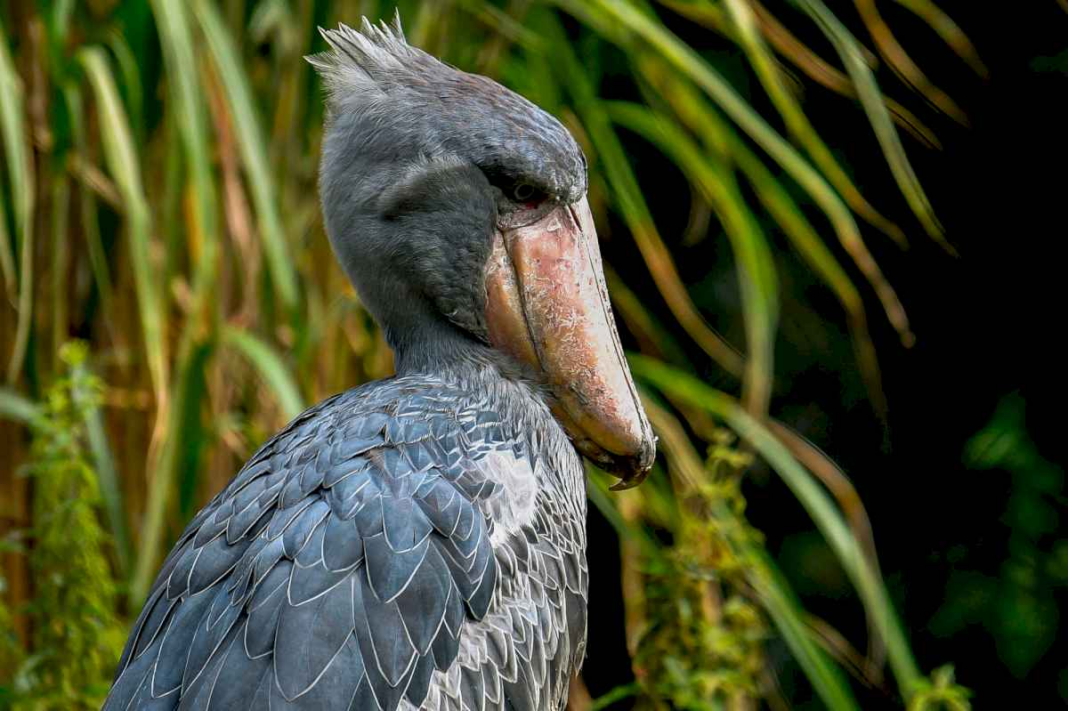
(635, 211)
(693, 110)
(786, 612)
(680, 55)
(810, 495)
(7, 257)
(801, 56)
(103, 464)
(755, 267)
(121, 158)
(690, 64)
(871, 99)
(797, 122)
(271, 368)
(19, 408)
(131, 80)
(189, 116)
(899, 60)
(950, 32)
(20, 170)
(110, 488)
(774, 592)
(251, 142)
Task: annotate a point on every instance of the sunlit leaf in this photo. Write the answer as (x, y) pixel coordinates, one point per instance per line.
(17, 407)
(756, 270)
(20, 172)
(797, 122)
(815, 500)
(871, 99)
(190, 117)
(124, 167)
(252, 144)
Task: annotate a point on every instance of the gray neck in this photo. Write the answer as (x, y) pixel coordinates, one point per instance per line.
(521, 400)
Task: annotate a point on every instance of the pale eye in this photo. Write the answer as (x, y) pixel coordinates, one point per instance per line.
(523, 192)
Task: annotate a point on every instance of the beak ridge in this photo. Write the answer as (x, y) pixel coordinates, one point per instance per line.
(548, 306)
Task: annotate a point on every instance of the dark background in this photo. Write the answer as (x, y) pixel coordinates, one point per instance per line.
(974, 554)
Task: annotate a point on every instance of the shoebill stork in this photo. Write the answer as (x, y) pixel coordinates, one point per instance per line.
(418, 542)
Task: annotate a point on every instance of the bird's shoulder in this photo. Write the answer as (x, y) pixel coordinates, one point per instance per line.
(342, 560)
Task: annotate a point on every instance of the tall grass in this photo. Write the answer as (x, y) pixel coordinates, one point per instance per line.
(157, 198)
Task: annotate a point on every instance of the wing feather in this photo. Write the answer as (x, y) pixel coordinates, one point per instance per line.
(339, 568)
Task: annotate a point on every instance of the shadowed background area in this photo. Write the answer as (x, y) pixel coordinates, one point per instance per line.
(830, 233)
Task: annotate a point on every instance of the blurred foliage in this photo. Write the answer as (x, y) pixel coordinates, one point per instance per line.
(1018, 608)
(703, 646)
(77, 634)
(157, 199)
(10, 650)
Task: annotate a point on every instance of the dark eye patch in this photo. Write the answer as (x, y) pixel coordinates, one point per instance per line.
(522, 191)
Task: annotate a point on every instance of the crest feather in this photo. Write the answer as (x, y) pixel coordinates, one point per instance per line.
(362, 59)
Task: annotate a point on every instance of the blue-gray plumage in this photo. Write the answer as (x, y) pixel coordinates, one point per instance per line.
(417, 542)
(403, 544)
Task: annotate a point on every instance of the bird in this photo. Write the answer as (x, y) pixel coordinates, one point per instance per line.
(418, 542)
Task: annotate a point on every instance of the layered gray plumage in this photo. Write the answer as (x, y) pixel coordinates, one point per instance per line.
(402, 545)
(418, 542)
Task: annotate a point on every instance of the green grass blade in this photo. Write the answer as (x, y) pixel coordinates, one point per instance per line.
(110, 488)
(691, 65)
(786, 613)
(782, 207)
(7, 258)
(616, 695)
(90, 222)
(189, 116)
(687, 61)
(16, 138)
(950, 32)
(815, 500)
(688, 474)
(755, 266)
(801, 56)
(693, 110)
(14, 406)
(871, 99)
(121, 158)
(131, 80)
(628, 197)
(102, 460)
(252, 144)
(271, 367)
(767, 71)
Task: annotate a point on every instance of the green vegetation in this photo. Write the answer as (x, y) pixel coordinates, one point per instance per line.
(77, 633)
(157, 198)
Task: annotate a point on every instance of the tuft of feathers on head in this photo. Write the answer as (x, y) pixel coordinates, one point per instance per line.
(364, 59)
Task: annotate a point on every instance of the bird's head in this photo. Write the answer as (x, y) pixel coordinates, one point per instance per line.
(458, 210)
